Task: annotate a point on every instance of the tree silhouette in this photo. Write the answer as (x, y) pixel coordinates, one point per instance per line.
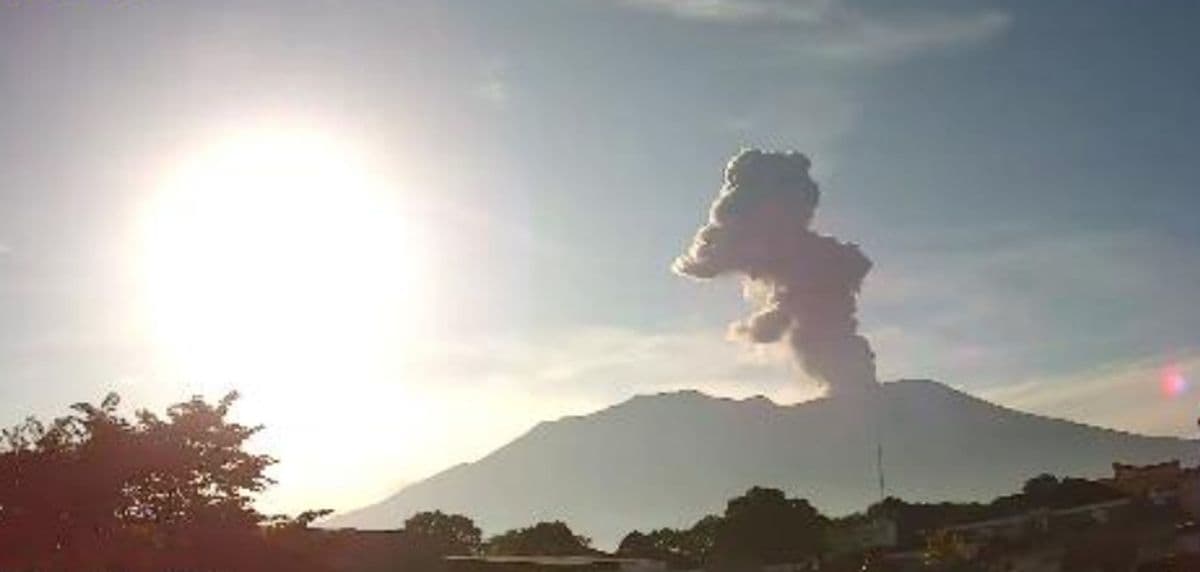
(1040, 490)
(765, 527)
(760, 527)
(443, 533)
(1047, 491)
(700, 539)
(544, 538)
(200, 473)
(61, 486)
(637, 545)
(685, 549)
(93, 490)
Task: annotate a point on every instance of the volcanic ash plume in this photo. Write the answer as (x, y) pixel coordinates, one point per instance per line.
(803, 284)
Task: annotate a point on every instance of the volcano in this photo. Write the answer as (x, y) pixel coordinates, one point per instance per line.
(669, 459)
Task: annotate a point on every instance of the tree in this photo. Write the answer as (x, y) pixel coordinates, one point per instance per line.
(664, 544)
(686, 549)
(637, 545)
(700, 539)
(765, 527)
(94, 490)
(1040, 490)
(760, 527)
(542, 539)
(61, 487)
(915, 520)
(1048, 491)
(200, 473)
(443, 533)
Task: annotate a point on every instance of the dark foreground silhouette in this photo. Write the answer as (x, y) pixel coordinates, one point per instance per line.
(94, 490)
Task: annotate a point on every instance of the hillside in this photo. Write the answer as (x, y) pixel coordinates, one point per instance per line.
(668, 459)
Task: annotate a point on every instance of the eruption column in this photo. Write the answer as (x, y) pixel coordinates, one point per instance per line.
(803, 284)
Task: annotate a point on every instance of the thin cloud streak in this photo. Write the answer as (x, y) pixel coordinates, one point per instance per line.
(881, 41)
(1124, 395)
(832, 29)
(743, 11)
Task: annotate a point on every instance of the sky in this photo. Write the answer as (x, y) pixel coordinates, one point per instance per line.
(426, 225)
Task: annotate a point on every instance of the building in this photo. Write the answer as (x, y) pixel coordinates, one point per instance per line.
(1160, 484)
(1038, 521)
(1026, 541)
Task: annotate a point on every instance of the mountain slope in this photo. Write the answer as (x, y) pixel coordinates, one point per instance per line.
(668, 459)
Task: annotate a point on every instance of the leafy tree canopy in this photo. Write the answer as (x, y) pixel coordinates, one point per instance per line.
(684, 549)
(445, 533)
(764, 526)
(542, 539)
(95, 490)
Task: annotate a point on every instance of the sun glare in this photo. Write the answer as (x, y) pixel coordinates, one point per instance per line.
(280, 254)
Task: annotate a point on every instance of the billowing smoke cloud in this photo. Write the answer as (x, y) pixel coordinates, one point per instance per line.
(804, 284)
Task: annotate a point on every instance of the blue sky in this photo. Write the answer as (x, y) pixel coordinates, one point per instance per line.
(1021, 173)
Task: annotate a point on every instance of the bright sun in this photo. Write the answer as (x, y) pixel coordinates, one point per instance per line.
(280, 253)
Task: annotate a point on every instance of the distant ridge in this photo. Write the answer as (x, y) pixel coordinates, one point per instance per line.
(667, 459)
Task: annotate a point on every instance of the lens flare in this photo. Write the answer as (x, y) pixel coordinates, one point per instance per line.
(1173, 383)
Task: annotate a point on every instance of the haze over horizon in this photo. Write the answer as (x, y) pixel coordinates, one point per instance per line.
(470, 207)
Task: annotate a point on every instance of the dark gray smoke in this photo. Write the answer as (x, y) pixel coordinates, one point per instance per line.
(804, 284)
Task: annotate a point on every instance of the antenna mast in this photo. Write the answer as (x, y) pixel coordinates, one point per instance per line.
(879, 466)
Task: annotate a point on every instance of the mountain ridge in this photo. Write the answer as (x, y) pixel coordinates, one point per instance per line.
(668, 458)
